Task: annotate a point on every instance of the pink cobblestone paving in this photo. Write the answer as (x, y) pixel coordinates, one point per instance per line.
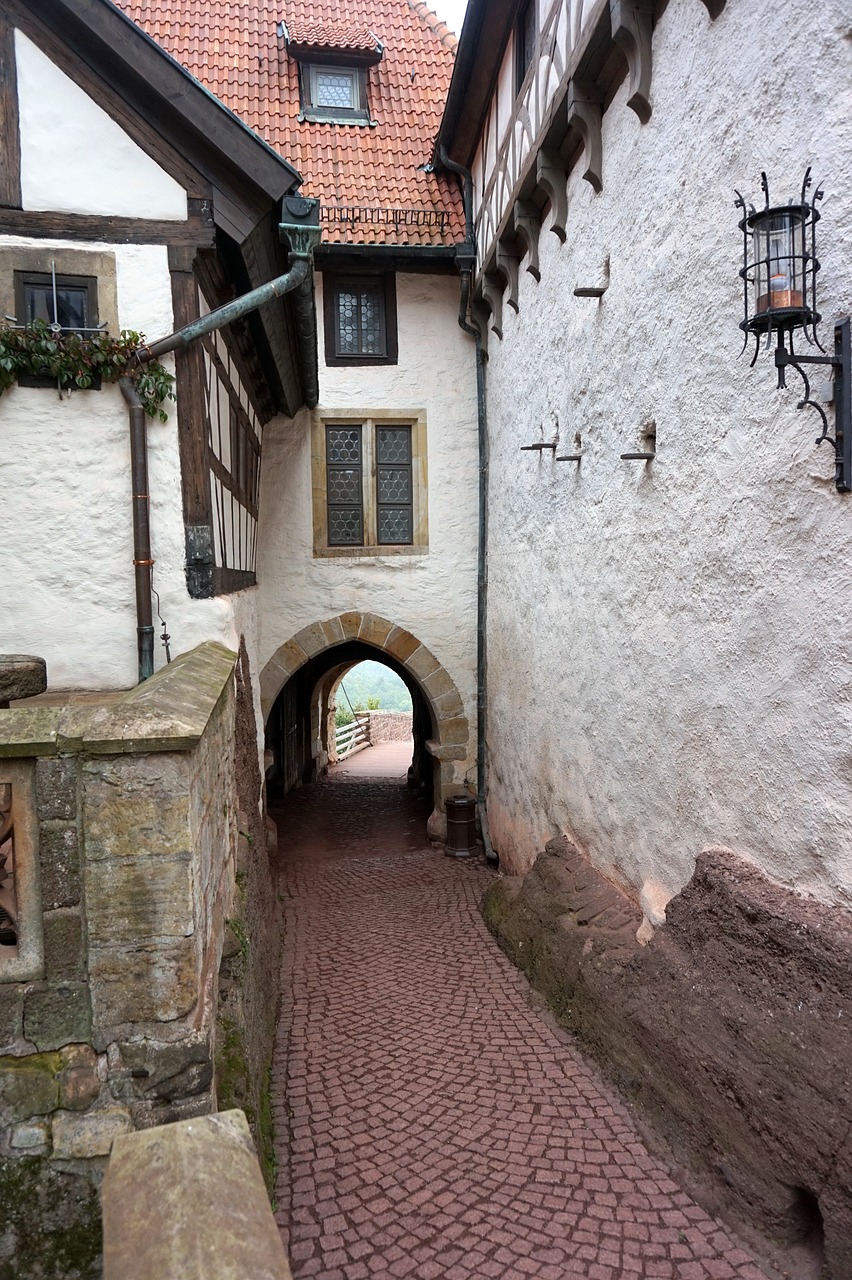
(430, 1123)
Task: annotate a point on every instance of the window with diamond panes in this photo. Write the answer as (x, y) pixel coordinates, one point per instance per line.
(335, 94)
(344, 492)
(394, 498)
(334, 89)
(360, 319)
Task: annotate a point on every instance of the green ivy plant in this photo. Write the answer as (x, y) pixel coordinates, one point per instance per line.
(78, 360)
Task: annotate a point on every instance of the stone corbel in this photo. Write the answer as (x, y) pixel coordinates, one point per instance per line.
(632, 24)
(584, 115)
(491, 292)
(551, 175)
(527, 226)
(506, 266)
(714, 8)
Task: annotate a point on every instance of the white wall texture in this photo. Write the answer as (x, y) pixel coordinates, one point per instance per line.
(66, 557)
(74, 157)
(668, 644)
(434, 595)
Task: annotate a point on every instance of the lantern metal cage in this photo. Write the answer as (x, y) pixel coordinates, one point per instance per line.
(779, 273)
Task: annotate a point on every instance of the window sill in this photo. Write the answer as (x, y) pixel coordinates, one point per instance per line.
(369, 553)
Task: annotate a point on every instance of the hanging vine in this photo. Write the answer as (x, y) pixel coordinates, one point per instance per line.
(83, 361)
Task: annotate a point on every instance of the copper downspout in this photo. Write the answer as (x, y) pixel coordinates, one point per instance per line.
(142, 562)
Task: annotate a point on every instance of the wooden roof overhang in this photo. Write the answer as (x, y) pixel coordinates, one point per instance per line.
(234, 181)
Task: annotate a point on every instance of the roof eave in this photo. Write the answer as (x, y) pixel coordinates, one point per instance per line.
(485, 33)
(105, 38)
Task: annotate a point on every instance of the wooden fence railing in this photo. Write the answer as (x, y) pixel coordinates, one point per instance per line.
(351, 737)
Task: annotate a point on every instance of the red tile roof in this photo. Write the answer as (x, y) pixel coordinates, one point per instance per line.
(370, 179)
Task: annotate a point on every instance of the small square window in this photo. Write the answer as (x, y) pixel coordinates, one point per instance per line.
(336, 94)
(68, 301)
(360, 319)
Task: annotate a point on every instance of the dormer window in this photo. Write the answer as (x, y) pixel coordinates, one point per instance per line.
(333, 59)
(334, 93)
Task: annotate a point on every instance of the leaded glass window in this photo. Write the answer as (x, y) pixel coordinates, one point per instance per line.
(344, 491)
(334, 88)
(360, 319)
(337, 94)
(394, 486)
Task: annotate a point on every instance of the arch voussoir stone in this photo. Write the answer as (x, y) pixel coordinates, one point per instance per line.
(451, 742)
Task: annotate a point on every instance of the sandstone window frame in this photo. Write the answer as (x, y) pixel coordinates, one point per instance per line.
(28, 964)
(99, 268)
(370, 420)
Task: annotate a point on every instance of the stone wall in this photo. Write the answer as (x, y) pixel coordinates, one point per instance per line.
(389, 726)
(729, 1030)
(137, 805)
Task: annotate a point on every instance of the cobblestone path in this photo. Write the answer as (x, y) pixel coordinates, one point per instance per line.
(429, 1122)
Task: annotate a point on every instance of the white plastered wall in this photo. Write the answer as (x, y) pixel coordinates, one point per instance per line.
(669, 643)
(434, 595)
(66, 556)
(75, 158)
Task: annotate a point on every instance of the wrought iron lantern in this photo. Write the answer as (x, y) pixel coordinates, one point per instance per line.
(779, 273)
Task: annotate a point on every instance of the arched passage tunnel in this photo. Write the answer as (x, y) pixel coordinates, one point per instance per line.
(300, 726)
(297, 690)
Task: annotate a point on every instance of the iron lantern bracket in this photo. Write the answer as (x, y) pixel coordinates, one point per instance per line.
(841, 362)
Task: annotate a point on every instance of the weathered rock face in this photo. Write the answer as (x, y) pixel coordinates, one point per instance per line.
(729, 1030)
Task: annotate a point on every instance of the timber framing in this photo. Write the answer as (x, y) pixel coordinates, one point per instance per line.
(10, 140)
(192, 135)
(198, 229)
(529, 177)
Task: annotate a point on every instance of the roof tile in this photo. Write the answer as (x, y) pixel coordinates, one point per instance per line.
(372, 179)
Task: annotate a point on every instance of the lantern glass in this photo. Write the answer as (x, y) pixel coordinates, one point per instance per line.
(779, 260)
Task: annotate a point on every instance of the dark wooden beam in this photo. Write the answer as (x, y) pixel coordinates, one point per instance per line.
(10, 138)
(132, 121)
(198, 230)
(192, 432)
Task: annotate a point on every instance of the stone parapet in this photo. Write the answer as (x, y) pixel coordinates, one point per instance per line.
(188, 1199)
(125, 845)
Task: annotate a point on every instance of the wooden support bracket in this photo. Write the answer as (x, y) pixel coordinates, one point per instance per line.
(506, 265)
(584, 114)
(551, 175)
(632, 24)
(491, 291)
(528, 229)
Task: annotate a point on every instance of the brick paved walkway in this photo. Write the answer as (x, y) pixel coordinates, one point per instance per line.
(430, 1123)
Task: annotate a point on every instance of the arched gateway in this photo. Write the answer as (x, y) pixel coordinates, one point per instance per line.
(303, 665)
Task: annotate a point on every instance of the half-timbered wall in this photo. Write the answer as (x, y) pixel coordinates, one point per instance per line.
(515, 123)
(66, 553)
(234, 436)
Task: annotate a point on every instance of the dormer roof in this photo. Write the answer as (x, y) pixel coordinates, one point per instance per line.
(342, 39)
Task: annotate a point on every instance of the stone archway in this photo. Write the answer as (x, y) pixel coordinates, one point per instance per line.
(451, 746)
